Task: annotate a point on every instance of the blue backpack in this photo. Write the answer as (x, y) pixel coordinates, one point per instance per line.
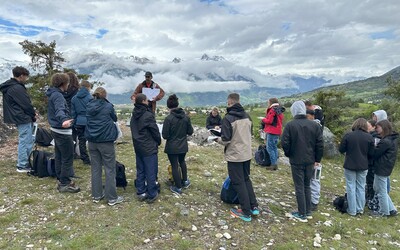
(228, 194)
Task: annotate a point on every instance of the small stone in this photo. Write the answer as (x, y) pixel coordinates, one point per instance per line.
(225, 227)
(233, 244)
(4, 190)
(221, 222)
(207, 174)
(328, 223)
(29, 246)
(219, 235)
(337, 237)
(146, 241)
(317, 244)
(227, 236)
(194, 228)
(184, 211)
(326, 214)
(200, 213)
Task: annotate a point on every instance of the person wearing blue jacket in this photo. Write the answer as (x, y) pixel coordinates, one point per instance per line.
(101, 132)
(61, 129)
(78, 112)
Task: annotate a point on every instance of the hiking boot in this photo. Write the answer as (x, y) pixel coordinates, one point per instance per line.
(141, 197)
(186, 184)
(119, 199)
(24, 170)
(314, 207)
(393, 213)
(69, 188)
(97, 199)
(175, 190)
(151, 200)
(239, 214)
(299, 217)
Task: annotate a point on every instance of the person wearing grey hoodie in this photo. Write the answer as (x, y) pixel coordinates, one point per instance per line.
(302, 142)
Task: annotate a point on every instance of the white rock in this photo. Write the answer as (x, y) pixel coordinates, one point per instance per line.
(328, 223)
(225, 227)
(233, 244)
(317, 239)
(200, 213)
(146, 241)
(317, 244)
(227, 236)
(207, 174)
(219, 235)
(326, 214)
(194, 228)
(29, 246)
(337, 237)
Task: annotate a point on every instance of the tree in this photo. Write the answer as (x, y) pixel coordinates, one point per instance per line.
(43, 55)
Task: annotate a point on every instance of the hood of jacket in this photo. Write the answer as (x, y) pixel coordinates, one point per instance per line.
(236, 110)
(139, 110)
(380, 115)
(51, 90)
(95, 106)
(82, 93)
(178, 113)
(298, 108)
(12, 81)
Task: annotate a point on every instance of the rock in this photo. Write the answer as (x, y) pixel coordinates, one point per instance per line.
(326, 214)
(4, 190)
(316, 244)
(317, 238)
(30, 246)
(207, 174)
(330, 147)
(328, 223)
(222, 222)
(194, 228)
(337, 237)
(184, 211)
(227, 236)
(146, 241)
(200, 213)
(219, 235)
(225, 227)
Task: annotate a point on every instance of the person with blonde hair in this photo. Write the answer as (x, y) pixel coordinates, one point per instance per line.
(61, 123)
(101, 133)
(358, 146)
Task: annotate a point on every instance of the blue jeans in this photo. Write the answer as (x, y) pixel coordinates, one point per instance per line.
(380, 188)
(146, 175)
(272, 147)
(25, 144)
(355, 189)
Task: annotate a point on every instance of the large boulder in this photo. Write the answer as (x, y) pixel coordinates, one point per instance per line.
(330, 146)
(200, 136)
(5, 129)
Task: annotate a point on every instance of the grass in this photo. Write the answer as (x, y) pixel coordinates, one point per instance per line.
(33, 214)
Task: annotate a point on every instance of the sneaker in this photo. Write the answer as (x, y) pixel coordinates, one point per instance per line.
(299, 217)
(272, 167)
(70, 188)
(255, 211)
(239, 214)
(151, 200)
(376, 214)
(120, 199)
(314, 207)
(309, 216)
(175, 190)
(97, 199)
(186, 184)
(141, 197)
(24, 170)
(393, 213)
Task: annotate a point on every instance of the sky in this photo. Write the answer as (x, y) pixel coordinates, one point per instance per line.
(308, 37)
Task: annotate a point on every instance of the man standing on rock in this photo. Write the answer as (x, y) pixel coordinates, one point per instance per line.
(18, 110)
(236, 131)
(150, 86)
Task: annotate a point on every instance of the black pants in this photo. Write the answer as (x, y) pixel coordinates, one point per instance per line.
(80, 132)
(239, 172)
(369, 189)
(177, 160)
(64, 157)
(301, 177)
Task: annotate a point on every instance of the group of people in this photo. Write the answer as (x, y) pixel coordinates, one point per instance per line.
(75, 112)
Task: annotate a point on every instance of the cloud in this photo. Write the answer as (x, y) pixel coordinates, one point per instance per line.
(358, 38)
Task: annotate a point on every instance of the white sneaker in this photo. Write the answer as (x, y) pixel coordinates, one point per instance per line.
(116, 201)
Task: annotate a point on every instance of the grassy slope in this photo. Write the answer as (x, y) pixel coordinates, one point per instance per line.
(32, 212)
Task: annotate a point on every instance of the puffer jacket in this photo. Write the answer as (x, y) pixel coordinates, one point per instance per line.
(78, 106)
(57, 109)
(145, 133)
(273, 119)
(385, 155)
(100, 125)
(177, 126)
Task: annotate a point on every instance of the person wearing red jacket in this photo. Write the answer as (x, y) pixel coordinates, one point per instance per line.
(273, 129)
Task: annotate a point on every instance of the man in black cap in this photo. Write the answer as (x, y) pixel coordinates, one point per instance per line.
(148, 83)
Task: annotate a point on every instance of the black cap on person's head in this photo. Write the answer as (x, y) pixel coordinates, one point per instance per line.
(148, 73)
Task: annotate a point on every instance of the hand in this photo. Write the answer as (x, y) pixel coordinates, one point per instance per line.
(67, 123)
(316, 165)
(217, 127)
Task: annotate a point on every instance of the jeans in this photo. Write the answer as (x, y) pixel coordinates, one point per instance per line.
(146, 175)
(80, 132)
(355, 189)
(64, 157)
(25, 144)
(239, 172)
(301, 177)
(380, 187)
(177, 160)
(272, 147)
(103, 154)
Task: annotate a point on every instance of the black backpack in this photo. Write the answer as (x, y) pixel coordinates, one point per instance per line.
(120, 176)
(43, 137)
(319, 114)
(262, 157)
(340, 203)
(42, 164)
(228, 194)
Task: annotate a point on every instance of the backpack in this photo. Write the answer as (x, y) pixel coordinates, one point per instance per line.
(42, 164)
(262, 157)
(120, 176)
(340, 203)
(43, 137)
(319, 115)
(228, 194)
(278, 110)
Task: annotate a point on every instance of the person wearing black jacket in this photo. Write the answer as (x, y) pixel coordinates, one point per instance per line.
(146, 139)
(176, 128)
(385, 155)
(302, 142)
(18, 110)
(358, 146)
(214, 119)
